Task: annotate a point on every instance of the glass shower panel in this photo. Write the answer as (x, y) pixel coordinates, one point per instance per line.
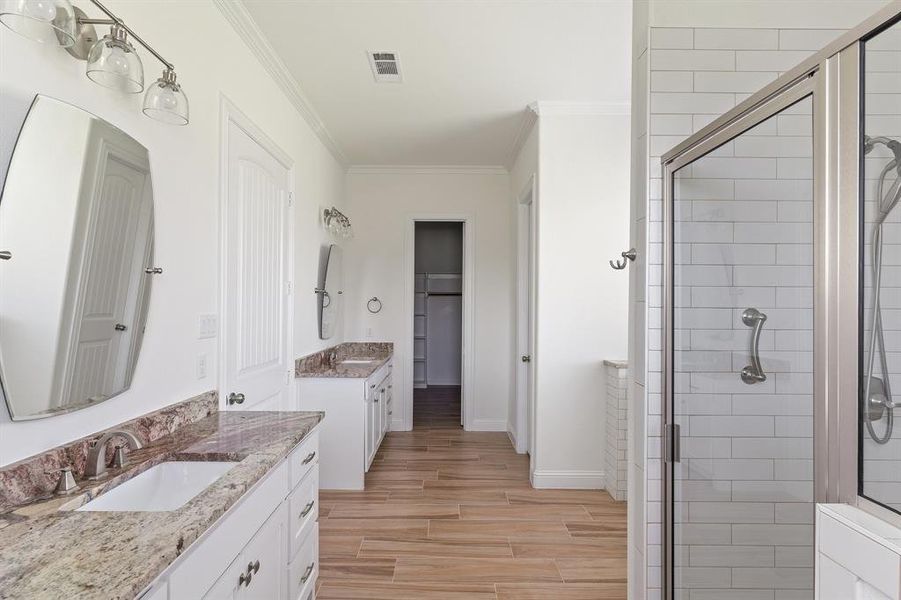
(743, 364)
(880, 374)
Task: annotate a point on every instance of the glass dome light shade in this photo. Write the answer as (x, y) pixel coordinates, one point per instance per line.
(113, 63)
(44, 21)
(165, 101)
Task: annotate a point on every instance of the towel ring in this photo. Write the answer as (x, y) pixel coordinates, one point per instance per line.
(374, 300)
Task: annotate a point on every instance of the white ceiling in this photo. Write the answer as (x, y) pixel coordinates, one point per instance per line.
(470, 68)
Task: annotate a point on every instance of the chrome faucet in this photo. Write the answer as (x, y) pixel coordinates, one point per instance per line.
(95, 466)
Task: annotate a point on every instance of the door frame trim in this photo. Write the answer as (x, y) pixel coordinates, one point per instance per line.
(467, 389)
(230, 113)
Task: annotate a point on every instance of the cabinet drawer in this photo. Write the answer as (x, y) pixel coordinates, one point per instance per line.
(304, 569)
(304, 510)
(304, 457)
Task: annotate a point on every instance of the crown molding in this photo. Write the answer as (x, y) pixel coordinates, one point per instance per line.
(586, 109)
(426, 170)
(527, 122)
(242, 22)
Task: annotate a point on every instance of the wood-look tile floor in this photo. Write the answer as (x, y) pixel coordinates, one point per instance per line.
(449, 515)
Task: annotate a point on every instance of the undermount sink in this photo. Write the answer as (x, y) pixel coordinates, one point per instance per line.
(357, 361)
(164, 487)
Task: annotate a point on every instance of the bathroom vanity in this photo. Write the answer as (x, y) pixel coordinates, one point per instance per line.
(353, 383)
(245, 527)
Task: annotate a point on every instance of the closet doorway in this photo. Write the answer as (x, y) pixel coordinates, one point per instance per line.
(438, 324)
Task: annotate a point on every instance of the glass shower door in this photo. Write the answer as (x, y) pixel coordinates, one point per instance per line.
(740, 346)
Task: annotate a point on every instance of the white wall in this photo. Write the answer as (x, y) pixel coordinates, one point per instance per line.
(583, 216)
(382, 205)
(185, 163)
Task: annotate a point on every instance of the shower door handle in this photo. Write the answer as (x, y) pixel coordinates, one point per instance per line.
(755, 319)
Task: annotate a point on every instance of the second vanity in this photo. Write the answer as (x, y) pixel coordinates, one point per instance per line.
(352, 382)
(249, 531)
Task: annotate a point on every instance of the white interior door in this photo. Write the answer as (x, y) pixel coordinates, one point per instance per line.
(257, 283)
(525, 321)
(102, 327)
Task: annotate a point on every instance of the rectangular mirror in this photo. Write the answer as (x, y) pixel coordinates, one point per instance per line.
(76, 236)
(331, 291)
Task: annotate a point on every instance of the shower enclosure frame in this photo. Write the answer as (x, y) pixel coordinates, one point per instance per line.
(832, 77)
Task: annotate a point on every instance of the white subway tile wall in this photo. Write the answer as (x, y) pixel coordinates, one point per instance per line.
(616, 462)
(881, 475)
(745, 231)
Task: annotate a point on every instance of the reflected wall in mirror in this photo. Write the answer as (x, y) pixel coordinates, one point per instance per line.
(880, 376)
(331, 293)
(76, 223)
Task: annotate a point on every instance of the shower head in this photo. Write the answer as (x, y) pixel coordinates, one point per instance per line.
(894, 145)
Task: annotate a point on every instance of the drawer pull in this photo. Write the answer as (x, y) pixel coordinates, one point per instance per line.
(307, 573)
(306, 509)
(245, 578)
(309, 458)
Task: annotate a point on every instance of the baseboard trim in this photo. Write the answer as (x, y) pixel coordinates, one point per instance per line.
(511, 435)
(488, 425)
(575, 480)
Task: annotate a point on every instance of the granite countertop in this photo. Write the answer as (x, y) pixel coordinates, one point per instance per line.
(318, 364)
(48, 550)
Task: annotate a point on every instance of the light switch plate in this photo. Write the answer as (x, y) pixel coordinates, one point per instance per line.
(207, 327)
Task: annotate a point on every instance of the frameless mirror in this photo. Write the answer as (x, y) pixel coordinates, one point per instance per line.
(76, 235)
(331, 293)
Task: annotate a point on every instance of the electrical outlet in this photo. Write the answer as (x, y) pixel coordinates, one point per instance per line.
(201, 366)
(207, 327)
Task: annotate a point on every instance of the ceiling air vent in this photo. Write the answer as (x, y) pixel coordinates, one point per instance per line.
(385, 67)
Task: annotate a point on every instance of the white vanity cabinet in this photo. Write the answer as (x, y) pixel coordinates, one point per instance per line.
(266, 547)
(358, 415)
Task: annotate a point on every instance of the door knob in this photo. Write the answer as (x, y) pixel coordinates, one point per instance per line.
(526, 358)
(235, 398)
(120, 327)
(6, 255)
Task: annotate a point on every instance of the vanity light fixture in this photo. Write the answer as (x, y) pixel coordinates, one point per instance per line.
(44, 21)
(337, 223)
(111, 60)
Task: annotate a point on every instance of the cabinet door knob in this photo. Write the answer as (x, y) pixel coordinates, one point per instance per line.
(235, 398)
(120, 327)
(245, 578)
(526, 358)
(308, 572)
(309, 458)
(256, 566)
(306, 509)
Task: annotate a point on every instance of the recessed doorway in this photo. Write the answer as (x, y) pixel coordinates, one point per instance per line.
(438, 324)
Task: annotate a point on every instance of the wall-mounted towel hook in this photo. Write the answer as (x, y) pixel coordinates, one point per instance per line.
(374, 305)
(629, 254)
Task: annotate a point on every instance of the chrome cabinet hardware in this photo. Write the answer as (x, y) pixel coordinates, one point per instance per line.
(6, 255)
(153, 271)
(120, 327)
(66, 484)
(309, 458)
(308, 572)
(306, 509)
(235, 398)
(374, 305)
(753, 373)
(628, 255)
(246, 578)
(525, 358)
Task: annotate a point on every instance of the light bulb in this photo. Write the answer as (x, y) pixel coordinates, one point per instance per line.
(42, 10)
(117, 61)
